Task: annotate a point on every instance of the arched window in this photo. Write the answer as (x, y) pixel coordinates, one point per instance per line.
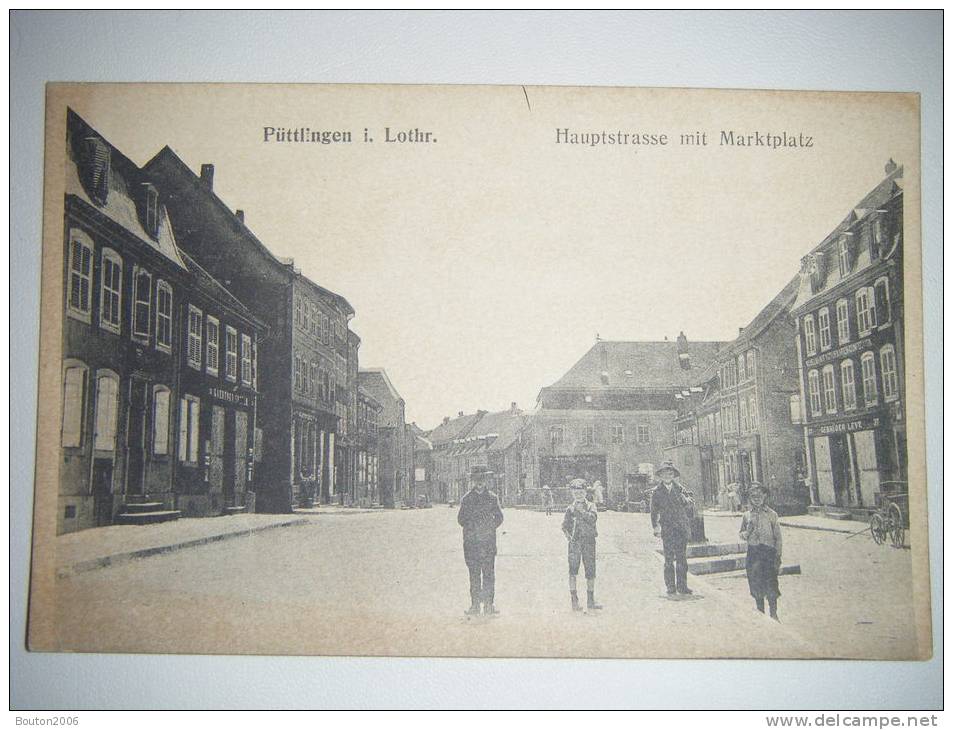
(161, 401)
(750, 368)
(110, 300)
(843, 322)
(843, 256)
(74, 403)
(814, 390)
(866, 315)
(848, 389)
(163, 316)
(830, 396)
(810, 337)
(107, 411)
(824, 328)
(80, 275)
(888, 372)
(868, 375)
(882, 300)
(212, 337)
(142, 304)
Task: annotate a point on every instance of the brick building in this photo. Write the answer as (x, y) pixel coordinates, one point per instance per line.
(393, 475)
(850, 345)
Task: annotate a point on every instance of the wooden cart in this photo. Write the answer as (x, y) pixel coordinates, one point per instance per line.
(892, 518)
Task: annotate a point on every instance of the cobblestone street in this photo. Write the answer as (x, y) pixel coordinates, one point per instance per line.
(394, 583)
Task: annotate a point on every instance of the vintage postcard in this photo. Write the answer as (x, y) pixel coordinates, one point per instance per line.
(481, 371)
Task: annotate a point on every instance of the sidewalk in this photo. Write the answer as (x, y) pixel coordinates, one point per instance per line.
(78, 552)
(804, 522)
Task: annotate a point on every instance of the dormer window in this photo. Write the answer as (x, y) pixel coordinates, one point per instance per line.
(97, 156)
(150, 209)
(843, 256)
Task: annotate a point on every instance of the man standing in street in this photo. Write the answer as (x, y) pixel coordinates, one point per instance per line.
(579, 527)
(480, 515)
(672, 522)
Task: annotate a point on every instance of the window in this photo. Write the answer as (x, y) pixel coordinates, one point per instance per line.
(151, 209)
(231, 353)
(297, 374)
(80, 274)
(882, 301)
(142, 304)
(750, 368)
(312, 377)
(110, 301)
(869, 376)
(642, 434)
(824, 326)
(830, 397)
(327, 330)
(754, 417)
(332, 390)
(189, 409)
(246, 362)
(888, 372)
(618, 435)
(810, 338)
(865, 311)
(588, 436)
(195, 338)
(306, 315)
(163, 316)
(160, 420)
(744, 415)
(843, 322)
(843, 256)
(74, 404)
(298, 317)
(555, 435)
(107, 407)
(848, 389)
(814, 389)
(323, 383)
(742, 375)
(211, 345)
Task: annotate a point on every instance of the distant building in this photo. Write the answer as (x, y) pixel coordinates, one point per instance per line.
(611, 417)
(367, 448)
(850, 344)
(303, 376)
(480, 439)
(393, 475)
(734, 423)
(423, 467)
(159, 359)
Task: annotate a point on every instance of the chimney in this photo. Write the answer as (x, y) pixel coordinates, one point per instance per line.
(240, 214)
(741, 331)
(890, 166)
(681, 347)
(208, 172)
(459, 414)
(446, 420)
(513, 406)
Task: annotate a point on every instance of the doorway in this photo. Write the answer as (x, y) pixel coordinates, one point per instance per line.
(842, 470)
(136, 437)
(102, 491)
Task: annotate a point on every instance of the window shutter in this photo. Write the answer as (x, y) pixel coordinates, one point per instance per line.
(183, 430)
(73, 387)
(881, 302)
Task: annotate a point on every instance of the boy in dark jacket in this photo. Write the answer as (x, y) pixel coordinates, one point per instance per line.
(479, 516)
(671, 522)
(579, 526)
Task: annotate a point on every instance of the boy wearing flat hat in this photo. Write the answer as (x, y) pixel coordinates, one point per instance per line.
(480, 516)
(760, 529)
(579, 527)
(672, 522)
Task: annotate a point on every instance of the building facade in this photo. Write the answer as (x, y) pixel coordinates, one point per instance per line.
(393, 466)
(850, 345)
(610, 418)
(303, 369)
(734, 424)
(367, 447)
(146, 420)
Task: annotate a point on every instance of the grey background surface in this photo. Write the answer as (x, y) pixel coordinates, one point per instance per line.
(882, 51)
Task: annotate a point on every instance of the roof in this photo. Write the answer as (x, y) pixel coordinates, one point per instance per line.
(375, 382)
(214, 289)
(120, 205)
(454, 428)
(638, 365)
(421, 443)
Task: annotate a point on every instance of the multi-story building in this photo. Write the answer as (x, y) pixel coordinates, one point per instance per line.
(423, 476)
(480, 439)
(151, 425)
(393, 473)
(303, 370)
(610, 417)
(850, 345)
(733, 423)
(367, 450)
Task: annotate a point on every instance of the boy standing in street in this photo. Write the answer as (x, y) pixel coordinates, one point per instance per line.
(480, 516)
(579, 526)
(760, 529)
(671, 522)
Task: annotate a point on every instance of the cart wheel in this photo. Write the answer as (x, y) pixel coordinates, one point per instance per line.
(878, 530)
(896, 532)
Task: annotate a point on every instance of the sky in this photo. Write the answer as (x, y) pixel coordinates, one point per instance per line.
(483, 265)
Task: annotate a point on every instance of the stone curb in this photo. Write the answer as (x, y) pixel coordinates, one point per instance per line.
(84, 566)
(820, 528)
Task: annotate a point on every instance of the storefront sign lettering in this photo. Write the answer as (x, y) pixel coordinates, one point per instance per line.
(229, 397)
(838, 353)
(861, 424)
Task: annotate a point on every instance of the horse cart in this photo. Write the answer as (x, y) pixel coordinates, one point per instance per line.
(892, 518)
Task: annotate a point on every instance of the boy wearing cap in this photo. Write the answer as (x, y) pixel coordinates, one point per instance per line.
(480, 516)
(760, 529)
(671, 522)
(579, 527)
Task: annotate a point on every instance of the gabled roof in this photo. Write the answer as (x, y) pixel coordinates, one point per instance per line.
(633, 365)
(376, 382)
(455, 428)
(214, 289)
